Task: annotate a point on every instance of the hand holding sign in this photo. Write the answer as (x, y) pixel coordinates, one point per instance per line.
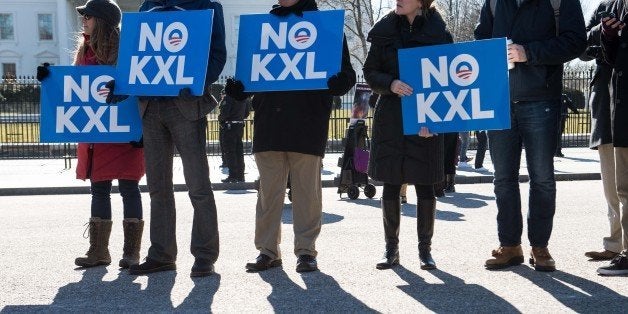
(516, 53)
(42, 71)
(400, 88)
(235, 89)
(337, 83)
(112, 98)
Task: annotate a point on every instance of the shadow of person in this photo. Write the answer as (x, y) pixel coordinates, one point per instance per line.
(586, 297)
(372, 202)
(321, 294)
(410, 211)
(453, 295)
(202, 295)
(286, 216)
(91, 293)
(466, 200)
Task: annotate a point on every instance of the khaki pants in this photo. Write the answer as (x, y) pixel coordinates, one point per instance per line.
(607, 164)
(621, 178)
(307, 204)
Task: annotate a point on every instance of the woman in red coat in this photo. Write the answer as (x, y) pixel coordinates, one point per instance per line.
(101, 163)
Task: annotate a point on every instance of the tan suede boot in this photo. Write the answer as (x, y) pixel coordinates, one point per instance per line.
(133, 228)
(98, 253)
(505, 256)
(541, 259)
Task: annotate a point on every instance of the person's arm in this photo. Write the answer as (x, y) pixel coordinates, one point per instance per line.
(484, 28)
(594, 29)
(610, 35)
(570, 42)
(343, 81)
(218, 50)
(378, 80)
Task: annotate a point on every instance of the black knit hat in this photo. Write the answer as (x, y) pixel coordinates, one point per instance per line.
(106, 10)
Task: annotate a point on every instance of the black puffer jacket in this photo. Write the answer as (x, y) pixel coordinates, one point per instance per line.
(533, 26)
(600, 98)
(616, 54)
(296, 121)
(396, 158)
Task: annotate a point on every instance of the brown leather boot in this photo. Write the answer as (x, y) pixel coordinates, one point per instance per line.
(391, 211)
(505, 256)
(98, 253)
(133, 228)
(541, 259)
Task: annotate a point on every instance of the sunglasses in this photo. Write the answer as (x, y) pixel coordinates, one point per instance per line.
(87, 17)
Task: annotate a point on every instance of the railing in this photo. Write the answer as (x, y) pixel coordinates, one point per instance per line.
(19, 120)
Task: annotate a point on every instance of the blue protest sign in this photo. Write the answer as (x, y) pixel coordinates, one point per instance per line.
(162, 52)
(289, 53)
(73, 108)
(457, 87)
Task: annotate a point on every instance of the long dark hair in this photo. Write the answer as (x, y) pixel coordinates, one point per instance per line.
(104, 41)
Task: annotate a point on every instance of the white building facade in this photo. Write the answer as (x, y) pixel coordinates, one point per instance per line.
(37, 31)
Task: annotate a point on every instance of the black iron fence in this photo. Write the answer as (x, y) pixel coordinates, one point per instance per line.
(19, 120)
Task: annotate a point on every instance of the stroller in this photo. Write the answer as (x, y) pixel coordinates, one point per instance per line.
(353, 163)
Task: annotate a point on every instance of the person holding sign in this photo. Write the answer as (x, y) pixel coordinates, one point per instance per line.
(396, 158)
(181, 122)
(614, 42)
(542, 41)
(290, 136)
(101, 162)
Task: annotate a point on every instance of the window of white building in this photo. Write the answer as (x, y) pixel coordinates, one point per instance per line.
(6, 26)
(8, 70)
(44, 26)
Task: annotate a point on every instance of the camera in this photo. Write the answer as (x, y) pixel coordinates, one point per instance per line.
(605, 14)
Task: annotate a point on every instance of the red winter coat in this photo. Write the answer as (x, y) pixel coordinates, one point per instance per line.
(100, 162)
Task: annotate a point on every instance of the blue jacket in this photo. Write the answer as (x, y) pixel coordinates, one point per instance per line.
(218, 51)
(533, 26)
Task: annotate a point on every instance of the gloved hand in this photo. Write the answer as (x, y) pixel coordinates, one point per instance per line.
(235, 89)
(138, 144)
(338, 84)
(112, 98)
(186, 94)
(42, 71)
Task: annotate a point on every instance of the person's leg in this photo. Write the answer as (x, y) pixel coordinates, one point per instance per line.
(464, 145)
(158, 156)
(229, 149)
(239, 153)
(391, 213)
(273, 177)
(131, 198)
(402, 193)
(425, 214)
(190, 139)
(481, 150)
(133, 225)
(559, 137)
(307, 202)
(621, 177)
(613, 242)
(101, 199)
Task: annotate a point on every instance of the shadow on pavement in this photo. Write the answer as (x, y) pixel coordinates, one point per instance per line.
(578, 294)
(409, 210)
(286, 216)
(322, 294)
(453, 295)
(466, 200)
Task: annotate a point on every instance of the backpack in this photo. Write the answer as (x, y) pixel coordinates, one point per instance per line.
(555, 6)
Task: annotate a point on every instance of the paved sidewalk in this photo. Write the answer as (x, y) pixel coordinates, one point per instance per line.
(48, 176)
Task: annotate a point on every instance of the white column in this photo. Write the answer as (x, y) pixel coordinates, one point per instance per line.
(64, 32)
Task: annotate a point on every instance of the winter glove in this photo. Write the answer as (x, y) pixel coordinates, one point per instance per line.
(338, 84)
(112, 98)
(235, 89)
(42, 71)
(138, 144)
(186, 94)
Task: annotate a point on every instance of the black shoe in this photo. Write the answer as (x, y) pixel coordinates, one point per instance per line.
(202, 268)
(559, 154)
(306, 263)
(390, 259)
(150, 266)
(227, 180)
(426, 260)
(617, 267)
(262, 262)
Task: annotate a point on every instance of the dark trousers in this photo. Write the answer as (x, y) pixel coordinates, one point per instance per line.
(534, 126)
(481, 150)
(131, 199)
(164, 129)
(559, 134)
(451, 144)
(234, 149)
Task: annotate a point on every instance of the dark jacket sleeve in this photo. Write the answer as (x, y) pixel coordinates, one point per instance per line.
(570, 42)
(594, 31)
(484, 28)
(610, 46)
(347, 68)
(378, 79)
(218, 50)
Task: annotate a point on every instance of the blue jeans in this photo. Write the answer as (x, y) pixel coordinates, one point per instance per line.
(131, 199)
(533, 126)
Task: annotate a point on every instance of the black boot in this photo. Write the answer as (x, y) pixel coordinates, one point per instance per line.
(425, 213)
(450, 183)
(392, 215)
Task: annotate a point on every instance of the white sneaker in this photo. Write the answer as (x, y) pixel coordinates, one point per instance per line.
(481, 169)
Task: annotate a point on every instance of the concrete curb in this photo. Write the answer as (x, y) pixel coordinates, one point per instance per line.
(24, 191)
